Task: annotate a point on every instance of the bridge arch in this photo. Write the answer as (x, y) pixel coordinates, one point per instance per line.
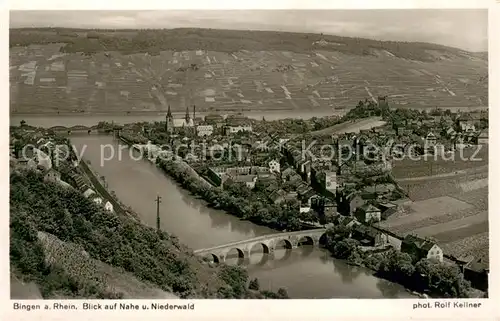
(305, 240)
(78, 127)
(239, 252)
(285, 242)
(323, 239)
(259, 248)
(214, 258)
(58, 128)
(265, 248)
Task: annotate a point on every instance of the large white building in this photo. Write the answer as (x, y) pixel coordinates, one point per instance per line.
(274, 166)
(240, 128)
(331, 181)
(42, 159)
(204, 130)
(108, 207)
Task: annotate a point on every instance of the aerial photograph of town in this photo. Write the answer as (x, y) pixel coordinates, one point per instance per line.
(249, 155)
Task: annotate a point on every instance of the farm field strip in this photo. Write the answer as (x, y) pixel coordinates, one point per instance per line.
(436, 229)
(465, 174)
(429, 208)
(476, 245)
(474, 185)
(351, 127)
(405, 170)
(460, 233)
(429, 221)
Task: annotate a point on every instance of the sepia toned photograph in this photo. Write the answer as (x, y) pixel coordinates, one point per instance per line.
(249, 154)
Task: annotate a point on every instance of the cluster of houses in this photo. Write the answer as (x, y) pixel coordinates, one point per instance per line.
(452, 131)
(211, 124)
(340, 185)
(338, 190)
(470, 128)
(47, 157)
(278, 185)
(374, 239)
(82, 186)
(245, 174)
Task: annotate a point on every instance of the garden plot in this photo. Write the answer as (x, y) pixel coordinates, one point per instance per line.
(448, 236)
(474, 185)
(425, 209)
(442, 229)
(463, 160)
(476, 245)
(351, 127)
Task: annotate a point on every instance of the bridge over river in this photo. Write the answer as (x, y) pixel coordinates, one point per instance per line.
(268, 243)
(306, 272)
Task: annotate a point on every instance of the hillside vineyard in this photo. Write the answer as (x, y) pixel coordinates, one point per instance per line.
(68, 71)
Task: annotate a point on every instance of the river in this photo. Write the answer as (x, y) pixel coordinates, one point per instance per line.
(305, 272)
(68, 120)
(92, 119)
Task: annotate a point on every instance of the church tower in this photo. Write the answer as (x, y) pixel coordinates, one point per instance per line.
(187, 117)
(194, 119)
(169, 122)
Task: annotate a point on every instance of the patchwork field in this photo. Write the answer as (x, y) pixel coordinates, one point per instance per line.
(45, 80)
(451, 210)
(351, 127)
(471, 160)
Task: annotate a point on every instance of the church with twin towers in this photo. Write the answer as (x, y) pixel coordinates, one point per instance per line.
(187, 122)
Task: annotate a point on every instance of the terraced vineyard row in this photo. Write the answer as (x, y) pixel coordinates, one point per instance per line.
(45, 80)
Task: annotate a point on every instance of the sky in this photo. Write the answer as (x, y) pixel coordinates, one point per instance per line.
(461, 28)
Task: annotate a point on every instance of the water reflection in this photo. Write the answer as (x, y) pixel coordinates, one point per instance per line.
(217, 220)
(91, 120)
(348, 273)
(390, 290)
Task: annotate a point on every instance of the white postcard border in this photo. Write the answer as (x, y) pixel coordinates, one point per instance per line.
(270, 309)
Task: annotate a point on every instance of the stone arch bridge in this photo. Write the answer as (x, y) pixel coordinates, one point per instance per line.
(267, 242)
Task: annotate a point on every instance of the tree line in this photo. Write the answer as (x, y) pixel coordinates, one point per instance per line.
(239, 200)
(153, 41)
(424, 275)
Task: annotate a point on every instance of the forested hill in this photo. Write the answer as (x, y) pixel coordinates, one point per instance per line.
(71, 248)
(141, 41)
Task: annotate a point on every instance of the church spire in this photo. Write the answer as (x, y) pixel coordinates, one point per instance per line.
(169, 121)
(169, 113)
(187, 115)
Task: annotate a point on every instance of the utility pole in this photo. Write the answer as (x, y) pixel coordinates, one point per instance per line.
(158, 201)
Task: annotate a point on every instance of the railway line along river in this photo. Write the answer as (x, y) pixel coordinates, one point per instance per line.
(305, 272)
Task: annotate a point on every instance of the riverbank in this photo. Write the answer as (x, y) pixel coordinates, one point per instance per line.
(75, 119)
(250, 206)
(201, 112)
(418, 275)
(101, 180)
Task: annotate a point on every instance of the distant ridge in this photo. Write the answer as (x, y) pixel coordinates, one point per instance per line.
(131, 41)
